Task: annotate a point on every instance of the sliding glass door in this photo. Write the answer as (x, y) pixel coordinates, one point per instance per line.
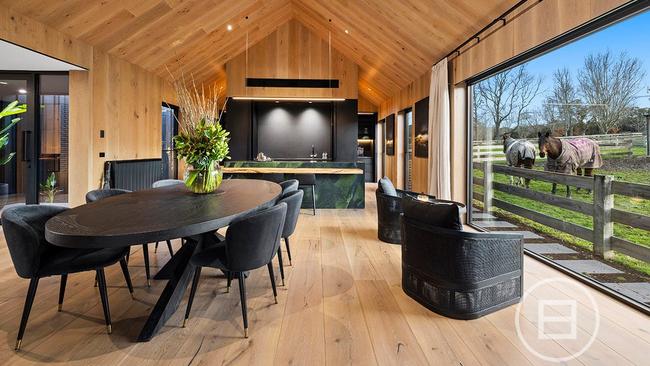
(18, 176)
(36, 150)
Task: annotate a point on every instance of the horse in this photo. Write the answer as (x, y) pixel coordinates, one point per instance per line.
(518, 153)
(578, 156)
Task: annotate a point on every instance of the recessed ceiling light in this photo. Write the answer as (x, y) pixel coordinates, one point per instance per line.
(3, 83)
(277, 101)
(347, 31)
(229, 27)
(22, 91)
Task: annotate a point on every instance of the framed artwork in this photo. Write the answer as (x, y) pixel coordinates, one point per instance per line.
(421, 128)
(390, 135)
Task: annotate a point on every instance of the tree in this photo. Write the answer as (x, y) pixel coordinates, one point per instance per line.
(563, 103)
(505, 97)
(609, 85)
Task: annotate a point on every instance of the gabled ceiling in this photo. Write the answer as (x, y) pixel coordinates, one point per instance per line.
(392, 41)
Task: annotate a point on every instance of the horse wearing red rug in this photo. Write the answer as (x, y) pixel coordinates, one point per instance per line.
(578, 156)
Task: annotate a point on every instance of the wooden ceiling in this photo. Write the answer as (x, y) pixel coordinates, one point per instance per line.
(392, 41)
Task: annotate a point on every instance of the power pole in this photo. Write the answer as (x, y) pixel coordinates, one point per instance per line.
(647, 134)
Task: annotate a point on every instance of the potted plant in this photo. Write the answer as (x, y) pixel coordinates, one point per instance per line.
(202, 142)
(49, 189)
(11, 109)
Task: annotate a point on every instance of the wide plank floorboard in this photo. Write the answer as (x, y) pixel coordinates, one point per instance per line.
(342, 305)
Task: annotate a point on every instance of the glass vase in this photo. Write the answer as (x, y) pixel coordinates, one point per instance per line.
(205, 180)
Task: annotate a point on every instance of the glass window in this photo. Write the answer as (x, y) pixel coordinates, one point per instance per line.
(560, 153)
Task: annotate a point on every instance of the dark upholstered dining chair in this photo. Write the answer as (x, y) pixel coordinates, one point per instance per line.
(293, 201)
(35, 258)
(99, 194)
(166, 183)
(289, 186)
(459, 274)
(304, 181)
(251, 242)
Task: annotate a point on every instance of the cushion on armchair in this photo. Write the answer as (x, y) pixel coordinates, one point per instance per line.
(386, 187)
(440, 214)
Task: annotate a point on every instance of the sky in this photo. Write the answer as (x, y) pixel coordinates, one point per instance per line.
(631, 35)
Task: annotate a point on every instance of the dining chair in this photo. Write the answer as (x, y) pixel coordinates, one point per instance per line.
(289, 186)
(34, 258)
(293, 201)
(166, 183)
(307, 180)
(99, 194)
(251, 242)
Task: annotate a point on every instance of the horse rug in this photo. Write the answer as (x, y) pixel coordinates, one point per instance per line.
(519, 150)
(576, 153)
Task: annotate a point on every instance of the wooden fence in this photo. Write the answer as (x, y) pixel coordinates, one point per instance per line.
(601, 209)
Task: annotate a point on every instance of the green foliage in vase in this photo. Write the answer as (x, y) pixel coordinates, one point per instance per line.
(10, 110)
(49, 189)
(203, 145)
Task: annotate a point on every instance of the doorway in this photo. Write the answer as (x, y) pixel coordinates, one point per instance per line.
(169, 130)
(35, 155)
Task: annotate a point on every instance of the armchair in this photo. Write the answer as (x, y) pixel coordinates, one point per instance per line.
(459, 274)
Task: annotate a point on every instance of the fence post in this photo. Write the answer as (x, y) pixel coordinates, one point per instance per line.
(487, 186)
(603, 225)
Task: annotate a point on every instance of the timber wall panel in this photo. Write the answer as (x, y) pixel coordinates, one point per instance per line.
(292, 52)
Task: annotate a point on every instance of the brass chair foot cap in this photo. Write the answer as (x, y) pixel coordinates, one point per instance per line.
(148, 283)
(227, 289)
(282, 282)
(60, 307)
(184, 322)
(290, 262)
(132, 296)
(109, 329)
(18, 344)
(245, 332)
(276, 299)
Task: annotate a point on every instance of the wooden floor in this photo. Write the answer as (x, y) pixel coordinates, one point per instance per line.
(342, 304)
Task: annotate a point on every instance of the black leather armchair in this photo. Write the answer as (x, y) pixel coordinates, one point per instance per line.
(459, 274)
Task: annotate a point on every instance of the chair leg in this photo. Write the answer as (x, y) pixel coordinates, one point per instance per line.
(145, 252)
(229, 277)
(195, 285)
(286, 243)
(29, 300)
(169, 246)
(281, 265)
(128, 255)
(242, 296)
(313, 199)
(103, 294)
(272, 276)
(155, 249)
(127, 276)
(64, 281)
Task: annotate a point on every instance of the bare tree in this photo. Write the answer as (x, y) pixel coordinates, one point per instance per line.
(563, 103)
(505, 97)
(608, 85)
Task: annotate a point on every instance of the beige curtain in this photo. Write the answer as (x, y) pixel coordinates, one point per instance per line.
(439, 134)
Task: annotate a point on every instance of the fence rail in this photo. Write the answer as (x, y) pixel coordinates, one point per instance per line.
(601, 209)
(614, 149)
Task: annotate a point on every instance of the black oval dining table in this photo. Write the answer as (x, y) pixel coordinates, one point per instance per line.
(160, 214)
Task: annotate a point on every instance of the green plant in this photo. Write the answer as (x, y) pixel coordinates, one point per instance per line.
(48, 188)
(203, 145)
(10, 110)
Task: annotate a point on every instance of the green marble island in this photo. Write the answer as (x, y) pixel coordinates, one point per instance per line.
(338, 184)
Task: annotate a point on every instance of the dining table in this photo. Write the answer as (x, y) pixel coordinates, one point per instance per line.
(160, 214)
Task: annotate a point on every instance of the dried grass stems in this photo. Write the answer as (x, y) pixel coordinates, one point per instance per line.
(197, 104)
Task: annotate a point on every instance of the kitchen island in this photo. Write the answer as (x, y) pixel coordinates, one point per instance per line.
(338, 184)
